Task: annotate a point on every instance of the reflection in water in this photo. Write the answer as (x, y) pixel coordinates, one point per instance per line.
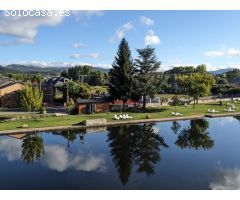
(11, 148)
(226, 179)
(175, 127)
(59, 159)
(237, 117)
(69, 135)
(32, 148)
(137, 145)
(195, 136)
(55, 157)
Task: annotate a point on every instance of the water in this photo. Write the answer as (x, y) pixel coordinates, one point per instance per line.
(201, 154)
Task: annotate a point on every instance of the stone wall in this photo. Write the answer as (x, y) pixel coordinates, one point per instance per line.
(94, 122)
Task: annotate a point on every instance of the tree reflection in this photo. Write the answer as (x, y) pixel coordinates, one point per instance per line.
(135, 145)
(237, 117)
(69, 135)
(147, 151)
(195, 136)
(32, 148)
(175, 127)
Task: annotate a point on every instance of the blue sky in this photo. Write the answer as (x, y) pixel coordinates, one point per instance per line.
(180, 37)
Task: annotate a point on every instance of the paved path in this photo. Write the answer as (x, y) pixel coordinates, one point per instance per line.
(223, 115)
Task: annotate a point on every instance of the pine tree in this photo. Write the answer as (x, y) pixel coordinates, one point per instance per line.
(146, 66)
(121, 76)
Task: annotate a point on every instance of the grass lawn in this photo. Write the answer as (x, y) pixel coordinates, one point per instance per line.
(154, 113)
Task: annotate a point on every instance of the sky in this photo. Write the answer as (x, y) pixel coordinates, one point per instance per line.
(92, 37)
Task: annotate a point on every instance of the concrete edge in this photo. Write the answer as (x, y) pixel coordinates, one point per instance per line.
(114, 123)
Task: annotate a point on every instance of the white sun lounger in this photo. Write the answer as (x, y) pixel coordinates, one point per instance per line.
(128, 117)
(212, 111)
(176, 114)
(116, 117)
(229, 110)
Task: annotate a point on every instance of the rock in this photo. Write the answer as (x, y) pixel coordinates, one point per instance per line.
(148, 116)
(24, 126)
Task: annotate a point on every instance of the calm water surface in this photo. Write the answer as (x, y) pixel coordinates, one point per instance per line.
(200, 154)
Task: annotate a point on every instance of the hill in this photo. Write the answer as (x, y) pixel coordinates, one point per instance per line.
(4, 70)
(43, 70)
(220, 71)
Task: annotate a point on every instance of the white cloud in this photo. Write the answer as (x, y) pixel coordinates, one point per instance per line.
(233, 52)
(223, 52)
(90, 55)
(121, 31)
(146, 21)
(78, 45)
(11, 148)
(151, 38)
(24, 29)
(214, 53)
(81, 14)
(226, 179)
(57, 158)
(56, 64)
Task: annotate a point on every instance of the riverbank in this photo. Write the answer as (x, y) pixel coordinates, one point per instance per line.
(150, 115)
(113, 123)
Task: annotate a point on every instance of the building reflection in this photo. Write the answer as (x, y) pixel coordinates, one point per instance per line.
(134, 146)
(195, 136)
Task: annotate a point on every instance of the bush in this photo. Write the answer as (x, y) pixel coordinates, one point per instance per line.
(175, 100)
(70, 106)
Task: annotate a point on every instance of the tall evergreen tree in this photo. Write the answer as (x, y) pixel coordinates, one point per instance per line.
(121, 76)
(146, 66)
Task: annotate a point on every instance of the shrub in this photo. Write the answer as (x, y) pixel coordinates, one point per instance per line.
(175, 100)
(70, 106)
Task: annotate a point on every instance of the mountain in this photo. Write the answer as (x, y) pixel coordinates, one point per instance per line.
(44, 70)
(220, 71)
(6, 70)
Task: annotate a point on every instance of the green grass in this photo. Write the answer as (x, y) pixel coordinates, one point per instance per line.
(154, 113)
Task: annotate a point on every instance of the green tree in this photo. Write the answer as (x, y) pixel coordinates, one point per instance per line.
(146, 65)
(196, 85)
(31, 98)
(76, 90)
(201, 69)
(86, 74)
(121, 76)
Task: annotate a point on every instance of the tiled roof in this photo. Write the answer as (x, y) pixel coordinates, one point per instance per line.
(7, 84)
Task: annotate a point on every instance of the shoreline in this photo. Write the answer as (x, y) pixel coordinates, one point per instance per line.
(115, 123)
(112, 123)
